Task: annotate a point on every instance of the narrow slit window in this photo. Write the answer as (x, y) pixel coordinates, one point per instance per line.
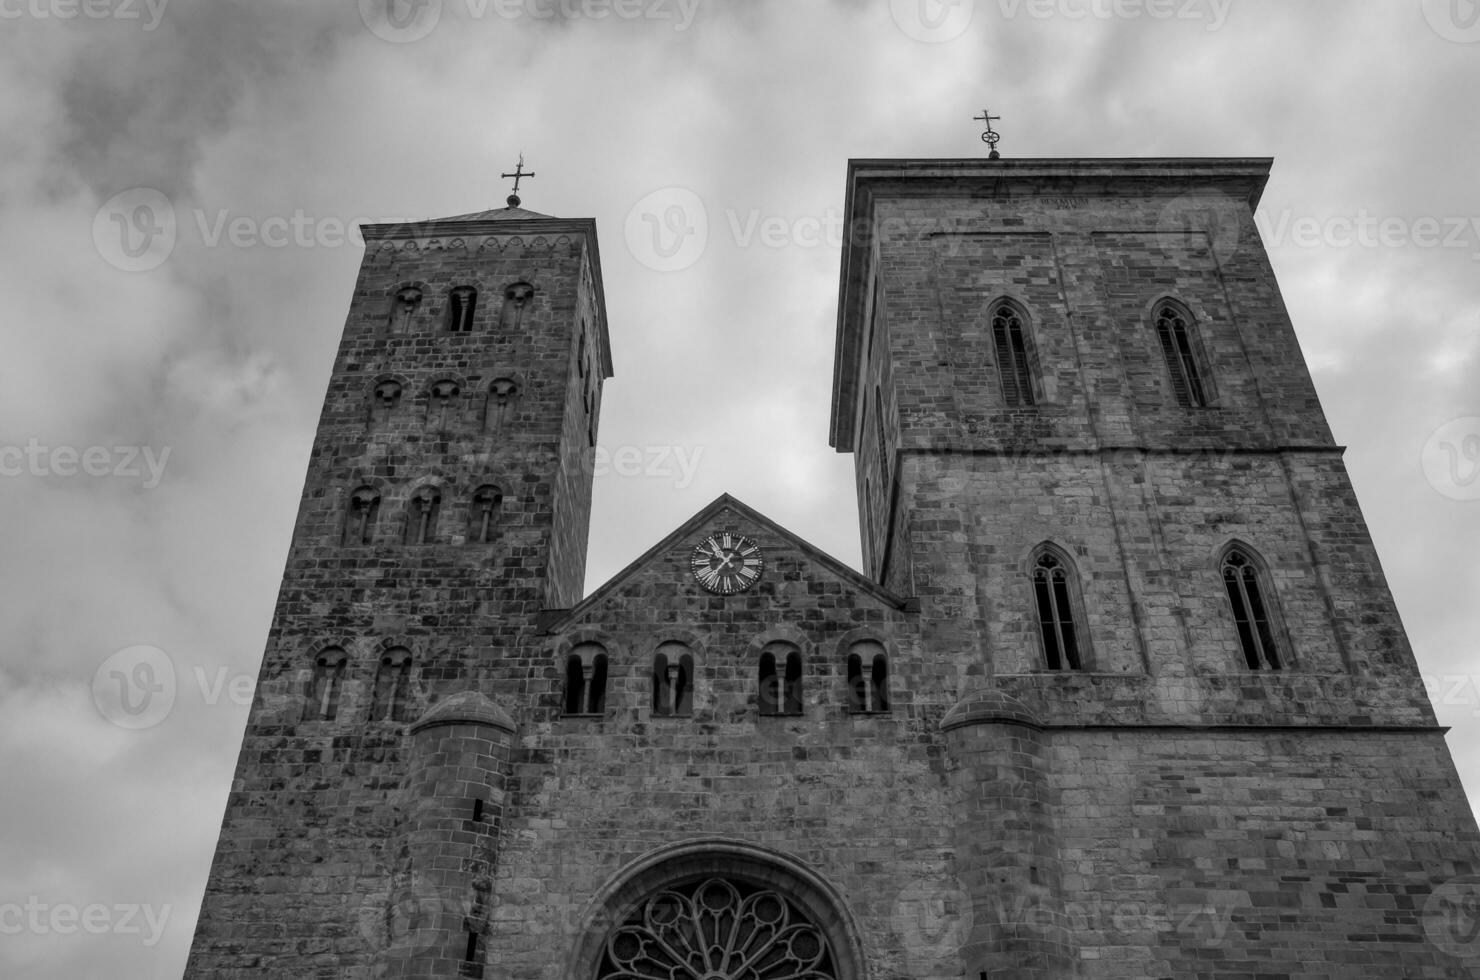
(327, 685)
(792, 691)
(421, 516)
(575, 684)
(359, 519)
(857, 689)
(661, 704)
(392, 687)
(770, 690)
(879, 684)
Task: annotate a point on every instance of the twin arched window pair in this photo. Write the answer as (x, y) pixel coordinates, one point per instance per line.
(390, 699)
(779, 679)
(443, 402)
(461, 306)
(1017, 366)
(1056, 596)
(423, 516)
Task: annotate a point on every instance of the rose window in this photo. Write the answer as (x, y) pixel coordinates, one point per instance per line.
(717, 930)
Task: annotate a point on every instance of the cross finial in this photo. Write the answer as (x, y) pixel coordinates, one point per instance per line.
(518, 175)
(990, 137)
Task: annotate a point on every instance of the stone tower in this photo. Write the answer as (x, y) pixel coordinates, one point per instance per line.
(447, 502)
(1121, 692)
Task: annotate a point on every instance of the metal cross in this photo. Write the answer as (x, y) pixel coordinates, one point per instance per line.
(990, 137)
(518, 175)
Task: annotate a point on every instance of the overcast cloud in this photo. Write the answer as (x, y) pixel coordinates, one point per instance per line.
(156, 410)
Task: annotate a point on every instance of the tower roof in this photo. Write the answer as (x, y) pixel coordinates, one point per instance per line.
(499, 214)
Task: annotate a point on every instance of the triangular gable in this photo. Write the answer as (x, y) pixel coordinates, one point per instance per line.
(556, 619)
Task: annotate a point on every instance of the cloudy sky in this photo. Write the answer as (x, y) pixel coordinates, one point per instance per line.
(157, 403)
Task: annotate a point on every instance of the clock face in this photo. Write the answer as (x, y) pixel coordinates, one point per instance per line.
(725, 563)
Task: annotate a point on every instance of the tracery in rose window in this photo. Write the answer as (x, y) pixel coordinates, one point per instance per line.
(717, 929)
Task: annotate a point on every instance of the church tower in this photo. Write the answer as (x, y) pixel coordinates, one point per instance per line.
(1120, 693)
(1087, 442)
(447, 502)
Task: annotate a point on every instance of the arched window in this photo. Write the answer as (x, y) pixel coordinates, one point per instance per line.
(1179, 349)
(780, 679)
(868, 691)
(673, 680)
(585, 680)
(421, 516)
(385, 397)
(1247, 596)
(462, 301)
(327, 685)
(1055, 592)
(1014, 355)
(403, 307)
(499, 407)
(879, 431)
(442, 405)
(392, 698)
(734, 928)
(483, 515)
(360, 516)
(516, 298)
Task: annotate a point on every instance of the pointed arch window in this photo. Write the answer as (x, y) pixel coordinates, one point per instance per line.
(403, 307)
(1179, 350)
(392, 696)
(673, 681)
(868, 677)
(462, 302)
(421, 516)
(483, 515)
(1244, 581)
(1014, 353)
(360, 516)
(585, 680)
(1055, 591)
(327, 684)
